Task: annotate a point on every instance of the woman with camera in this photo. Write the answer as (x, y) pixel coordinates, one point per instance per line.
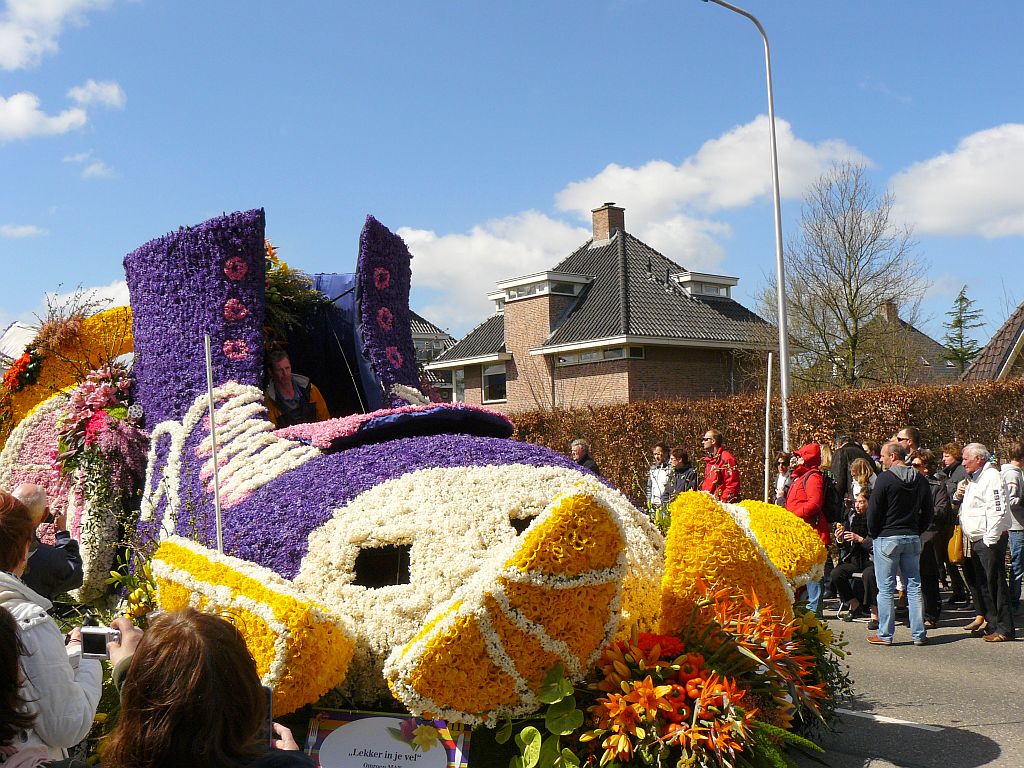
(190, 696)
(59, 689)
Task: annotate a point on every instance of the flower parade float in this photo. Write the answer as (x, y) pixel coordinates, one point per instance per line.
(414, 558)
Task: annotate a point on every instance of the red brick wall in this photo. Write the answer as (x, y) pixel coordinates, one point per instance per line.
(474, 385)
(527, 325)
(681, 372)
(603, 383)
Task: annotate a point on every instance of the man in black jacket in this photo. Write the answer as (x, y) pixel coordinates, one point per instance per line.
(847, 450)
(899, 511)
(51, 569)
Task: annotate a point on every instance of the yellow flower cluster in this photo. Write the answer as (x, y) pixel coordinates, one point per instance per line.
(708, 545)
(103, 337)
(554, 600)
(581, 538)
(301, 651)
(792, 545)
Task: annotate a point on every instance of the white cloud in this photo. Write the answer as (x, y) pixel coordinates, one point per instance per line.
(14, 231)
(670, 207)
(98, 170)
(463, 268)
(113, 295)
(731, 171)
(973, 190)
(29, 29)
(21, 118)
(94, 167)
(106, 93)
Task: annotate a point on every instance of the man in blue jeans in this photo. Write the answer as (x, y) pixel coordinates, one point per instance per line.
(899, 511)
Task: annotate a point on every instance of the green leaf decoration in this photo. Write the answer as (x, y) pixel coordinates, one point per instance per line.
(504, 733)
(563, 717)
(529, 741)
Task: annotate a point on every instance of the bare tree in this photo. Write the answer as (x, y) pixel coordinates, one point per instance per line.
(848, 261)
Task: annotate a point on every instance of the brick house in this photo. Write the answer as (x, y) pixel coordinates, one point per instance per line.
(431, 342)
(614, 321)
(896, 352)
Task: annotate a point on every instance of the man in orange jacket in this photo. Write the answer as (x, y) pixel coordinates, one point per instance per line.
(721, 477)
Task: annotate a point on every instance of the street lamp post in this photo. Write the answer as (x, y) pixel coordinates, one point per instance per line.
(780, 268)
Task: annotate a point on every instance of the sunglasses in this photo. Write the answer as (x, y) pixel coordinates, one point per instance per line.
(917, 465)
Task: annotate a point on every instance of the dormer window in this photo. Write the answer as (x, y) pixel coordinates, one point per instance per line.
(544, 283)
(704, 284)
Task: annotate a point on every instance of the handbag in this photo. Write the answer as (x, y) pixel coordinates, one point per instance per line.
(955, 548)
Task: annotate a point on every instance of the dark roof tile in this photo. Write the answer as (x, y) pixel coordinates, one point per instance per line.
(488, 338)
(630, 295)
(994, 358)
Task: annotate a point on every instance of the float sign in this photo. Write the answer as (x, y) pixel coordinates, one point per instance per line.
(343, 739)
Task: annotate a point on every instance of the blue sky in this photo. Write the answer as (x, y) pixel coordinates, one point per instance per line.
(484, 133)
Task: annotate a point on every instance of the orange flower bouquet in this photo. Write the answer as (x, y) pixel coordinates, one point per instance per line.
(734, 691)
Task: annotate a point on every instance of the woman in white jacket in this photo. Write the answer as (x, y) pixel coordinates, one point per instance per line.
(60, 689)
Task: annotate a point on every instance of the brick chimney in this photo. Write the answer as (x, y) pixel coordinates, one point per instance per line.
(607, 219)
(892, 313)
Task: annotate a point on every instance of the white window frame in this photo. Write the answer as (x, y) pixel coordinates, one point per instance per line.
(492, 370)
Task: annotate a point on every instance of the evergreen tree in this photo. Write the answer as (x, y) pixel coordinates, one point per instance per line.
(961, 349)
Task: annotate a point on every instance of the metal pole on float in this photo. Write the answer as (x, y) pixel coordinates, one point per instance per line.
(213, 442)
(779, 265)
(767, 429)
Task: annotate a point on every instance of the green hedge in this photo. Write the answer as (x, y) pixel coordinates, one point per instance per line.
(621, 436)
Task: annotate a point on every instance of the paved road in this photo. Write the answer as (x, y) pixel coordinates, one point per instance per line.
(960, 700)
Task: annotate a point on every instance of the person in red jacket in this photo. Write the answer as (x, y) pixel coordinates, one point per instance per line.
(806, 500)
(721, 477)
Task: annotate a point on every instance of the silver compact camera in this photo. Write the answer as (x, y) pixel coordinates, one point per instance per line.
(95, 639)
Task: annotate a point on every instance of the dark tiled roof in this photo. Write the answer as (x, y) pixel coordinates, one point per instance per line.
(420, 325)
(931, 366)
(631, 295)
(488, 338)
(995, 357)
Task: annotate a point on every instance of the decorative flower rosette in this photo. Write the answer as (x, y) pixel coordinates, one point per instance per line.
(301, 649)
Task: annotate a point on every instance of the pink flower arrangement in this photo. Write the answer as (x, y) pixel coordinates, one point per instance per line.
(385, 319)
(394, 356)
(234, 310)
(322, 434)
(236, 268)
(95, 426)
(236, 349)
(381, 278)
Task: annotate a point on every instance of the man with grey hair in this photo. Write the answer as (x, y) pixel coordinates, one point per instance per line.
(51, 569)
(579, 449)
(900, 509)
(985, 520)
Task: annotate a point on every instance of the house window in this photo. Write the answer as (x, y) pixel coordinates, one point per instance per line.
(494, 383)
(597, 355)
(459, 385)
(566, 289)
(525, 290)
(924, 362)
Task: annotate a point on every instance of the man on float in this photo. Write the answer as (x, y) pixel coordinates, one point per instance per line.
(291, 398)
